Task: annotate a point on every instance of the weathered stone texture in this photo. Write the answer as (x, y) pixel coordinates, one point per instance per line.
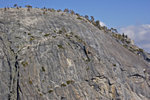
(56, 56)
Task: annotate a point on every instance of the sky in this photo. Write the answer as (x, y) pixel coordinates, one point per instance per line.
(131, 17)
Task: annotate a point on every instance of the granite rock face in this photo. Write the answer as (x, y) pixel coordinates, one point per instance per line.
(58, 56)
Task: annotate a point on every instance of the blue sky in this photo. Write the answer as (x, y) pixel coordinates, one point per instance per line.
(120, 14)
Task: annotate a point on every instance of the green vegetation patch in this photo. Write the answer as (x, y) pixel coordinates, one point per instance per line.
(60, 46)
(24, 63)
(41, 94)
(54, 36)
(54, 31)
(140, 50)
(70, 82)
(128, 42)
(125, 46)
(43, 69)
(30, 82)
(46, 35)
(50, 91)
(63, 85)
(79, 18)
(68, 35)
(78, 38)
(29, 33)
(32, 38)
(60, 32)
(114, 64)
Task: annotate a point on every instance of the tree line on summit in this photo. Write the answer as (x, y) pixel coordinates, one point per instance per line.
(91, 19)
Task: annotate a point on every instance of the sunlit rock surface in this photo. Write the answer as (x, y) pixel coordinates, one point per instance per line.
(58, 56)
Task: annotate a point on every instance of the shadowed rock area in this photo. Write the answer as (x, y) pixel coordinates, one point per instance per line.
(49, 55)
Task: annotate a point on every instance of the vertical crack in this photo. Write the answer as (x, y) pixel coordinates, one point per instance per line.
(12, 78)
(86, 52)
(18, 75)
(10, 69)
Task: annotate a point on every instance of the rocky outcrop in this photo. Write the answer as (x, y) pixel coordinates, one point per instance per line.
(59, 56)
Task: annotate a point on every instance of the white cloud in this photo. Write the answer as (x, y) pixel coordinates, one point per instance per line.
(147, 46)
(102, 24)
(140, 34)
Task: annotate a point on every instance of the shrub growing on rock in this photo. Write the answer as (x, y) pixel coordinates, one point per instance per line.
(92, 19)
(66, 10)
(72, 12)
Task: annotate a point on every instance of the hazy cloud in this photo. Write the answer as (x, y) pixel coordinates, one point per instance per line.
(147, 46)
(140, 34)
(102, 24)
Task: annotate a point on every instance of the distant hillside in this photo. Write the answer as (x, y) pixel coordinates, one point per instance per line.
(48, 54)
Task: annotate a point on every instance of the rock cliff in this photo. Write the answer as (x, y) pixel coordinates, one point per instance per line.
(51, 55)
